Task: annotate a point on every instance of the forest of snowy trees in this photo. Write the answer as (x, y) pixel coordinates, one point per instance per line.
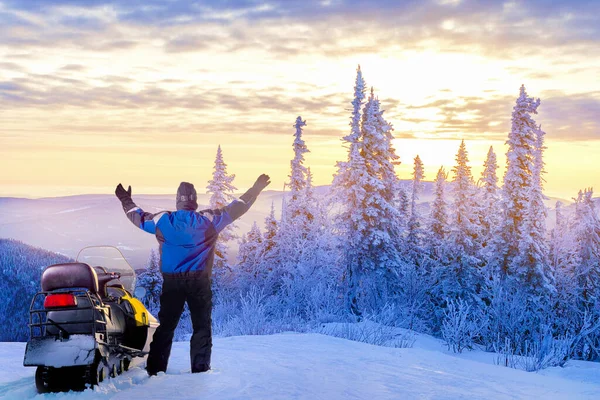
(21, 269)
(480, 268)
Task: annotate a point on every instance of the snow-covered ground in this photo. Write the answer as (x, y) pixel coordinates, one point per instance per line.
(314, 366)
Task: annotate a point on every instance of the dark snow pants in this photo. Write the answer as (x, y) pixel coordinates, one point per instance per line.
(193, 288)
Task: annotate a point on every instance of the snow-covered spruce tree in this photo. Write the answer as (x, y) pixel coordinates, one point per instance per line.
(379, 257)
(404, 205)
(587, 246)
(415, 280)
(347, 192)
(309, 281)
(463, 275)
(268, 254)
(562, 244)
(315, 207)
(295, 215)
(367, 222)
(414, 239)
(347, 196)
(516, 272)
(151, 280)
(518, 181)
(438, 224)
(296, 253)
(248, 259)
(298, 173)
(533, 259)
(568, 315)
(295, 256)
(586, 273)
(222, 189)
(489, 200)
(437, 250)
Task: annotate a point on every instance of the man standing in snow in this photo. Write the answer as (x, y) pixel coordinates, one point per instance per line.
(187, 241)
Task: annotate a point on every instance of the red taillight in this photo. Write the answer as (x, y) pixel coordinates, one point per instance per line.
(60, 300)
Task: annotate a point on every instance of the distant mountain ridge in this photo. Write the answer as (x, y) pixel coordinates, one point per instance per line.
(67, 224)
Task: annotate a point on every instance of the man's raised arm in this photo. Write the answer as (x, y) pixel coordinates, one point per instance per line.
(226, 215)
(143, 220)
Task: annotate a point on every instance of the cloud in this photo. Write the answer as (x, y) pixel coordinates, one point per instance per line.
(11, 66)
(571, 117)
(558, 32)
(495, 29)
(563, 116)
(74, 68)
(56, 98)
(186, 43)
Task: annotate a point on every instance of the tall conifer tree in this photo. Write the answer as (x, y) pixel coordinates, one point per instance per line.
(464, 239)
(438, 229)
(489, 197)
(248, 260)
(298, 173)
(151, 280)
(415, 231)
(533, 261)
(348, 195)
(586, 228)
(221, 189)
(380, 238)
(518, 182)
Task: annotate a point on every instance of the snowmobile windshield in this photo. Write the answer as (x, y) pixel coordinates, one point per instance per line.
(111, 259)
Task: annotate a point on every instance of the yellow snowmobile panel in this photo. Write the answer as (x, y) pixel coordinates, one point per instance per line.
(141, 315)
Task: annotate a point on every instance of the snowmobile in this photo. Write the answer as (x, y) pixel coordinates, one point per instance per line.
(85, 325)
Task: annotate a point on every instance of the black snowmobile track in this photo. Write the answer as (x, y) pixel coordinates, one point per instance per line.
(48, 379)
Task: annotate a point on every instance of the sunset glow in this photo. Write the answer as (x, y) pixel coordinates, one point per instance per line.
(142, 93)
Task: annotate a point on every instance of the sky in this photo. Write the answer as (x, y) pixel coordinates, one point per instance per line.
(97, 92)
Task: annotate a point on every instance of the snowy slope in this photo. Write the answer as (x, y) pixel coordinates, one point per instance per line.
(313, 366)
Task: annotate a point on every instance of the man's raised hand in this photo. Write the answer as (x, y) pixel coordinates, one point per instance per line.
(262, 182)
(123, 194)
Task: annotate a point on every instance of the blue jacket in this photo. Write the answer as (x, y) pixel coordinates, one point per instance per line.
(187, 238)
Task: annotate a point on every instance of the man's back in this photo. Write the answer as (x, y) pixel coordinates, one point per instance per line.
(187, 241)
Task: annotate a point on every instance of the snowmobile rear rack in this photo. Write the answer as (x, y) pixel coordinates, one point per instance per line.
(40, 313)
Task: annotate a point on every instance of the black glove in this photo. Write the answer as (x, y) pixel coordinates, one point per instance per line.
(262, 182)
(123, 194)
(125, 197)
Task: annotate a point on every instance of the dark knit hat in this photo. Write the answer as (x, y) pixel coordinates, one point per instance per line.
(186, 197)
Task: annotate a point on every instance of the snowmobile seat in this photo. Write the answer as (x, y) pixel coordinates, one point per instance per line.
(69, 275)
(103, 281)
